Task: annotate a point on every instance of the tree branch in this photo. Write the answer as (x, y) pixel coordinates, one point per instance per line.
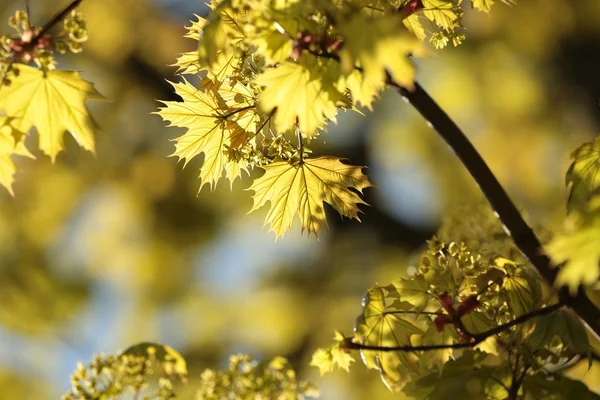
(514, 224)
(475, 339)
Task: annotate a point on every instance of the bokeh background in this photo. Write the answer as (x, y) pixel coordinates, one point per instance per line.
(100, 252)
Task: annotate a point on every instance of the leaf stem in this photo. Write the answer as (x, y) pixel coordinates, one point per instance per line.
(475, 338)
(300, 144)
(237, 110)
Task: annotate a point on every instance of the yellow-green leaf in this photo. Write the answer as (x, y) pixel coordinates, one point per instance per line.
(336, 354)
(7, 149)
(53, 102)
(522, 293)
(583, 176)
(211, 121)
(301, 187)
(482, 5)
(563, 325)
(381, 325)
(414, 290)
(303, 93)
(578, 248)
(376, 46)
(444, 13)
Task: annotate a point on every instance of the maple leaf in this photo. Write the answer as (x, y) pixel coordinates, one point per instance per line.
(565, 326)
(377, 45)
(301, 187)
(482, 5)
(578, 248)
(381, 325)
(9, 145)
(336, 354)
(221, 32)
(53, 102)
(211, 121)
(582, 176)
(456, 380)
(302, 92)
(444, 13)
(414, 25)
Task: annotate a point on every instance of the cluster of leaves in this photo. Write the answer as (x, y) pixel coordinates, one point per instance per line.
(454, 307)
(41, 97)
(151, 371)
(576, 248)
(247, 378)
(147, 369)
(273, 73)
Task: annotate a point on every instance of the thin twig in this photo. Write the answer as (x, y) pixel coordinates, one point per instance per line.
(28, 14)
(56, 18)
(475, 339)
(300, 145)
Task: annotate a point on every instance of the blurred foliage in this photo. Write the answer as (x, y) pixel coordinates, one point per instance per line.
(98, 252)
(137, 369)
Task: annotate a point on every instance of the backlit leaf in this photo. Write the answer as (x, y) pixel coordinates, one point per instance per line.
(563, 325)
(583, 175)
(211, 122)
(384, 325)
(482, 5)
(522, 292)
(464, 378)
(301, 187)
(336, 354)
(376, 46)
(53, 102)
(302, 94)
(577, 247)
(555, 387)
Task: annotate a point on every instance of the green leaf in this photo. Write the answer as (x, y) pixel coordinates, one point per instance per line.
(583, 176)
(414, 290)
(555, 387)
(522, 290)
(578, 249)
(381, 325)
(433, 337)
(564, 326)
(464, 378)
(477, 322)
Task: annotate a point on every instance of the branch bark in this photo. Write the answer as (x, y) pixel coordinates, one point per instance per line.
(514, 223)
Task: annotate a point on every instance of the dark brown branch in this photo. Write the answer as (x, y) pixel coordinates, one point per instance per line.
(514, 223)
(56, 18)
(475, 339)
(523, 236)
